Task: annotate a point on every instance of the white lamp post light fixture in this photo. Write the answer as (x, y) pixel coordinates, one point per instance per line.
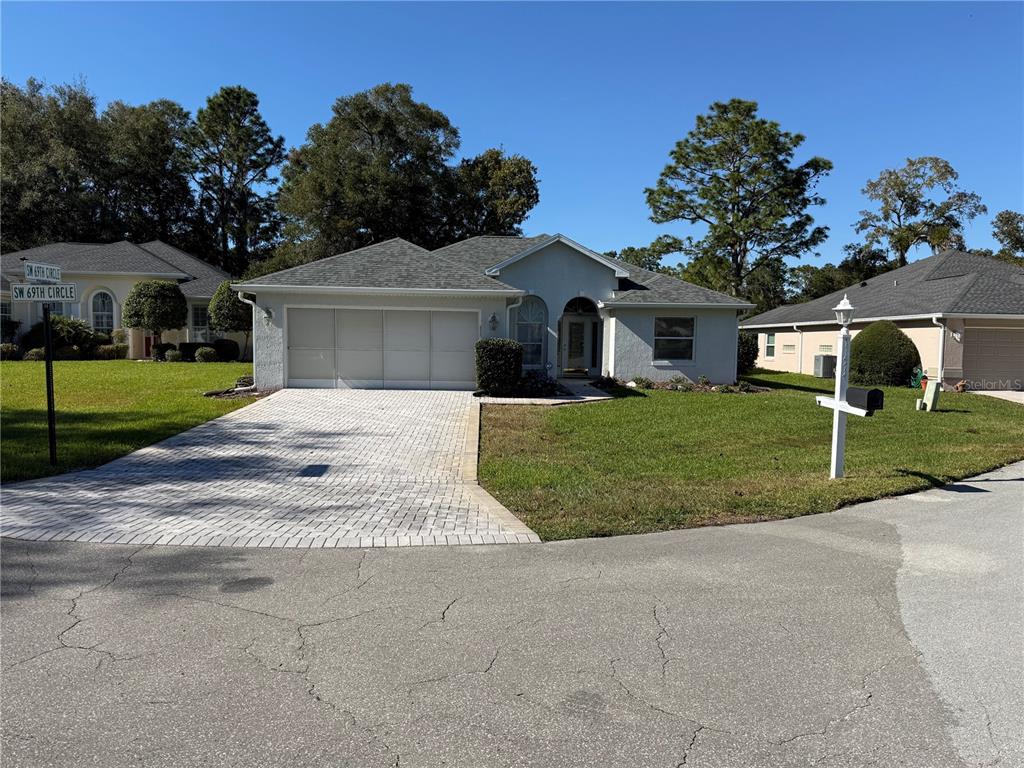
(844, 316)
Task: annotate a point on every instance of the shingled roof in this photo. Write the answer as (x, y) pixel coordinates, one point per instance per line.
(951, 283)
(155, 259)
(92, 258)
(205, 278)
(393, 264)
(401, 265)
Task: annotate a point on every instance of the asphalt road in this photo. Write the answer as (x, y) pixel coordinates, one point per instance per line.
(885, 634)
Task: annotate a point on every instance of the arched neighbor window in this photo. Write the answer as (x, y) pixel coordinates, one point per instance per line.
(532, 330)
(103, 312)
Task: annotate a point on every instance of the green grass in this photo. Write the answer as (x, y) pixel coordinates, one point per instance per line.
(105, 409)
(673, 460)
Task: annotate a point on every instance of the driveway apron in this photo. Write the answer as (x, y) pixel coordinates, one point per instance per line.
(301, 468)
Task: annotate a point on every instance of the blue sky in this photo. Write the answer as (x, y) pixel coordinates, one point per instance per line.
(594, 94)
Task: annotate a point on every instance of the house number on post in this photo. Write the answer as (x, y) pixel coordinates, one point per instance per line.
(859, 402)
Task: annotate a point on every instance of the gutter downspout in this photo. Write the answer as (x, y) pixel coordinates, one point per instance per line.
(508, 314)
(266, 315)
(942, 348)
(800, 358)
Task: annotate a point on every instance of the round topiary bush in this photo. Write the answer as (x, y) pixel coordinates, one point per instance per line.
(881, 355)
(206, 355)
(10, 352)
(172, 356)
(36, 354)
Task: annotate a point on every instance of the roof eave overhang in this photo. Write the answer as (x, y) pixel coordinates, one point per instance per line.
(925, 316)
(670, 305)
(367, 290)
(495, 270)
(162, 275)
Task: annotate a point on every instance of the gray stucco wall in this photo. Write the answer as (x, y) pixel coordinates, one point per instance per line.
(270, 351)
(557, 274)
(714, 353)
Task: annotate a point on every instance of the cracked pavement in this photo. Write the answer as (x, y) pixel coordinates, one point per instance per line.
(884, 634)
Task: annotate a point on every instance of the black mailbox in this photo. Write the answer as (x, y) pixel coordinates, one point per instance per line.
(868, 399)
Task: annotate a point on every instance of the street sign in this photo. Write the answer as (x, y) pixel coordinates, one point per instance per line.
(47, 292)
(44, 273)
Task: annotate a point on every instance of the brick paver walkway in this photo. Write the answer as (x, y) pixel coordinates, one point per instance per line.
(301, 468)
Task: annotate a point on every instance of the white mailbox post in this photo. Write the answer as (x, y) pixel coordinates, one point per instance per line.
(838, 404)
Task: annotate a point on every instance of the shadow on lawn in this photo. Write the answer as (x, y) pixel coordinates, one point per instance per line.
(757, 381)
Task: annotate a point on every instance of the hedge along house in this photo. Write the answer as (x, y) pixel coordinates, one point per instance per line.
(396, 315)
(964, 313)
(104, 274)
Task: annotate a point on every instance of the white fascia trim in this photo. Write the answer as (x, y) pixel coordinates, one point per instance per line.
(669, 305)
(496, 269)
(929, 316)
(336, 289)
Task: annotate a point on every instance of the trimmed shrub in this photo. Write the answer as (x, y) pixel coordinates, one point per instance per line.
(746, 352)
(229, 314)
(642, 382)
(206, 355)
(227, 349)
(67, 353)
(499, 366)
(160, 350)
(9, 352)
(112, 352)
(35, 354)
(67, 332)
(188, 349)
(173, 356)
(882, 355)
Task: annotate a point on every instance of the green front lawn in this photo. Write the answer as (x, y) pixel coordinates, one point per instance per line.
(105, 409)
(666, 460)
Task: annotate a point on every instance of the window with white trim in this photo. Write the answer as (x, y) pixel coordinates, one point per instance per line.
(532, 330)
(103, 312)
(673, 338)
(769, 345)
(6, 310)
(825, 349)
(200, 323)
(789, 349)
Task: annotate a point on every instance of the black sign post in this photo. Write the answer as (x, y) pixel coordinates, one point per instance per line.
(51, 418)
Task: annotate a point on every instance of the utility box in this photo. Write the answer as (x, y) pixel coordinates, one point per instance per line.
(825, 366)
(870, 400)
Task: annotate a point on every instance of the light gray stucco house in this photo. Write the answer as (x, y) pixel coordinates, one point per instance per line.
(396, 315)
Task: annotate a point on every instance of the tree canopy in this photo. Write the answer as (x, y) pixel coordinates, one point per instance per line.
(381, 168)
(918, 204)
(155, 305)
(734, 175)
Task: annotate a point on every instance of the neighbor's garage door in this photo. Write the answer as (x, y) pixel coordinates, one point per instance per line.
(994, 358)
(430, 349)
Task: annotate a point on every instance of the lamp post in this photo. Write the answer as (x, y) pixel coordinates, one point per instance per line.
(844, 316)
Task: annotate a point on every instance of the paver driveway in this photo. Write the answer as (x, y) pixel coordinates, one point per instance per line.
(301, 468)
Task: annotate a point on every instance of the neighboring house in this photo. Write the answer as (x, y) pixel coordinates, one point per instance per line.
(104, 274)
(397, 315)
(964, 312)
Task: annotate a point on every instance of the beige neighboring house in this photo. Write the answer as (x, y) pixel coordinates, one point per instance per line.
(964, 312)
(104, 274)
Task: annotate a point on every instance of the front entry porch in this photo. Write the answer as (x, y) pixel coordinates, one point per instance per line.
(579, 339)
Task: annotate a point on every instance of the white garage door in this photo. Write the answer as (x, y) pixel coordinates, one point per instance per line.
(372, 348)
(994, 358)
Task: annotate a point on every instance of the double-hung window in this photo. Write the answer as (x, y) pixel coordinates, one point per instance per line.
(200, 323)
(531, 330)
(769, 345)
(673, 338)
